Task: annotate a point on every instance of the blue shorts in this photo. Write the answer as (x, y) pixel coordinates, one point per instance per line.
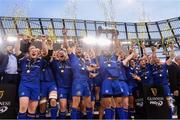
(29, 90)
(111, 88)
(167, 91)
(92, 89)
(64, 93)
(46, 88)
(97, 81)
(80, 89)
(125, 89)
(132, 89)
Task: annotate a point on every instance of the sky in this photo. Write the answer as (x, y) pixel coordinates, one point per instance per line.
(117, 10)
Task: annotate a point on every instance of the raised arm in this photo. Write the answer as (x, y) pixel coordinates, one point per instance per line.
(117, 43)
(43, 44)
(171, 54)
(128, 58)
(153, 55)
(65, 43)
(17, 47)
(48, 46)
(144, 49)
(92, 53)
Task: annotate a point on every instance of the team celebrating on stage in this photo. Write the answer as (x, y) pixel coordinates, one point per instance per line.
(79, 81)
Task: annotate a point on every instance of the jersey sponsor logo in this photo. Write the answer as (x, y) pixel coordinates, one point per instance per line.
(55, 88)
(66, 66)
(39, 97)
(22, 93)
(106, 91)
(61, 95)
(122, 90)
(78, 92)
(35, 66)
(112, 61)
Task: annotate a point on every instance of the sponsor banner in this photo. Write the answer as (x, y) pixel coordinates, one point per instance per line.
(7, 101)
(150, 103)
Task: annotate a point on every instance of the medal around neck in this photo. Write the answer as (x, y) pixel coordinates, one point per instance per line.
(28, 71)
(62, 71)
(109, 65)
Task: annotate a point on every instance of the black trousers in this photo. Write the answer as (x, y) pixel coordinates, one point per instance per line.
(177, 103)
(12, 79)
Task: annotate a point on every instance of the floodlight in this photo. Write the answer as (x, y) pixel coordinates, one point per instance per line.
(59, 40)
(89, 40)
(103, 41)
(70, 40)
(11, 38)
(0, 40)
(125, 42)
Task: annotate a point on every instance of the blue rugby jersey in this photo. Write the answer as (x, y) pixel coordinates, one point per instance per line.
(79, 68)
(31, 70)
(63, 73)
(146, 75)
(108, 68)
(160, 74)
(122, 71)
(46, 73)
(130, 80)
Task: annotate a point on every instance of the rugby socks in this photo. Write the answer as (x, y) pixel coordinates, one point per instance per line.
(125, 113)
(80, 114)
(31, 116)
(75, 113)
(54, 112)
(109, 113)
(89, 113)
(42, 115)
(97, 103)
(170, 113)
(130, 112)
(119, 113)
(62, 115)
(22, 116)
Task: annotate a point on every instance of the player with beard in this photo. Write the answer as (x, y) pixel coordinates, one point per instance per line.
(132, 79)
(29, 88)
(80, 86)
(122, 100)
(113, 85)
(48, 87)
(160, 75)
(89, 61)
(64, 78)
(144, 69)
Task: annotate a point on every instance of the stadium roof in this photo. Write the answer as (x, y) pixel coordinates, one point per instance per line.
(164, 30)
